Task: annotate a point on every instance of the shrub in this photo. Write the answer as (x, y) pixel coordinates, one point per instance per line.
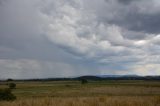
(84, 81)
(6, 94)
(68, 85)
(12, 85)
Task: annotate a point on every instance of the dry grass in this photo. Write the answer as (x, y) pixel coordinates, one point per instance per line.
(75, 89)
(66, 93)
(88, 101)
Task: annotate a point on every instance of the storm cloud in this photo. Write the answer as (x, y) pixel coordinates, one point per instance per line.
(50, 38)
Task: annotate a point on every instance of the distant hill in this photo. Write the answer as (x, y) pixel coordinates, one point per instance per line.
(89, 77)
(95, 77)
(116, 76)
(119, 77)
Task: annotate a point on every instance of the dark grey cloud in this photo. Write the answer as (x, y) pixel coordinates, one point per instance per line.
(139, 22)
(2, 1)
(126, 2)
(136, 15)
(78, 37)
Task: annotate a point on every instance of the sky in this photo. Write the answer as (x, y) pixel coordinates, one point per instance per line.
(65, 38)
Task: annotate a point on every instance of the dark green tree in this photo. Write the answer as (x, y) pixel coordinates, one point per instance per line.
(9, 79)
(12, 85)
(6, 94)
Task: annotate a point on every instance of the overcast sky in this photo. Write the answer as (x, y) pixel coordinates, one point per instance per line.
(62, 38)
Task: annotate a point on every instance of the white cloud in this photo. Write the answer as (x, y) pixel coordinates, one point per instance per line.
(66, 29)
(140, 43)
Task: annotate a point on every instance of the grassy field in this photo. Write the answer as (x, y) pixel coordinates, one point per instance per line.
(94, 93)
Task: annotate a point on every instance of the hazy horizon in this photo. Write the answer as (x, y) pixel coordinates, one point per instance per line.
(62, 38)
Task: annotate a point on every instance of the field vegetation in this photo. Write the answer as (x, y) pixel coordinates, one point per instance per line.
(93, 93)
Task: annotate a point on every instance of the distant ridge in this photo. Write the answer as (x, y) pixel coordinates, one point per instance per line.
(110, 76)
(118, 77)
(94, 77)
(90, 77)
